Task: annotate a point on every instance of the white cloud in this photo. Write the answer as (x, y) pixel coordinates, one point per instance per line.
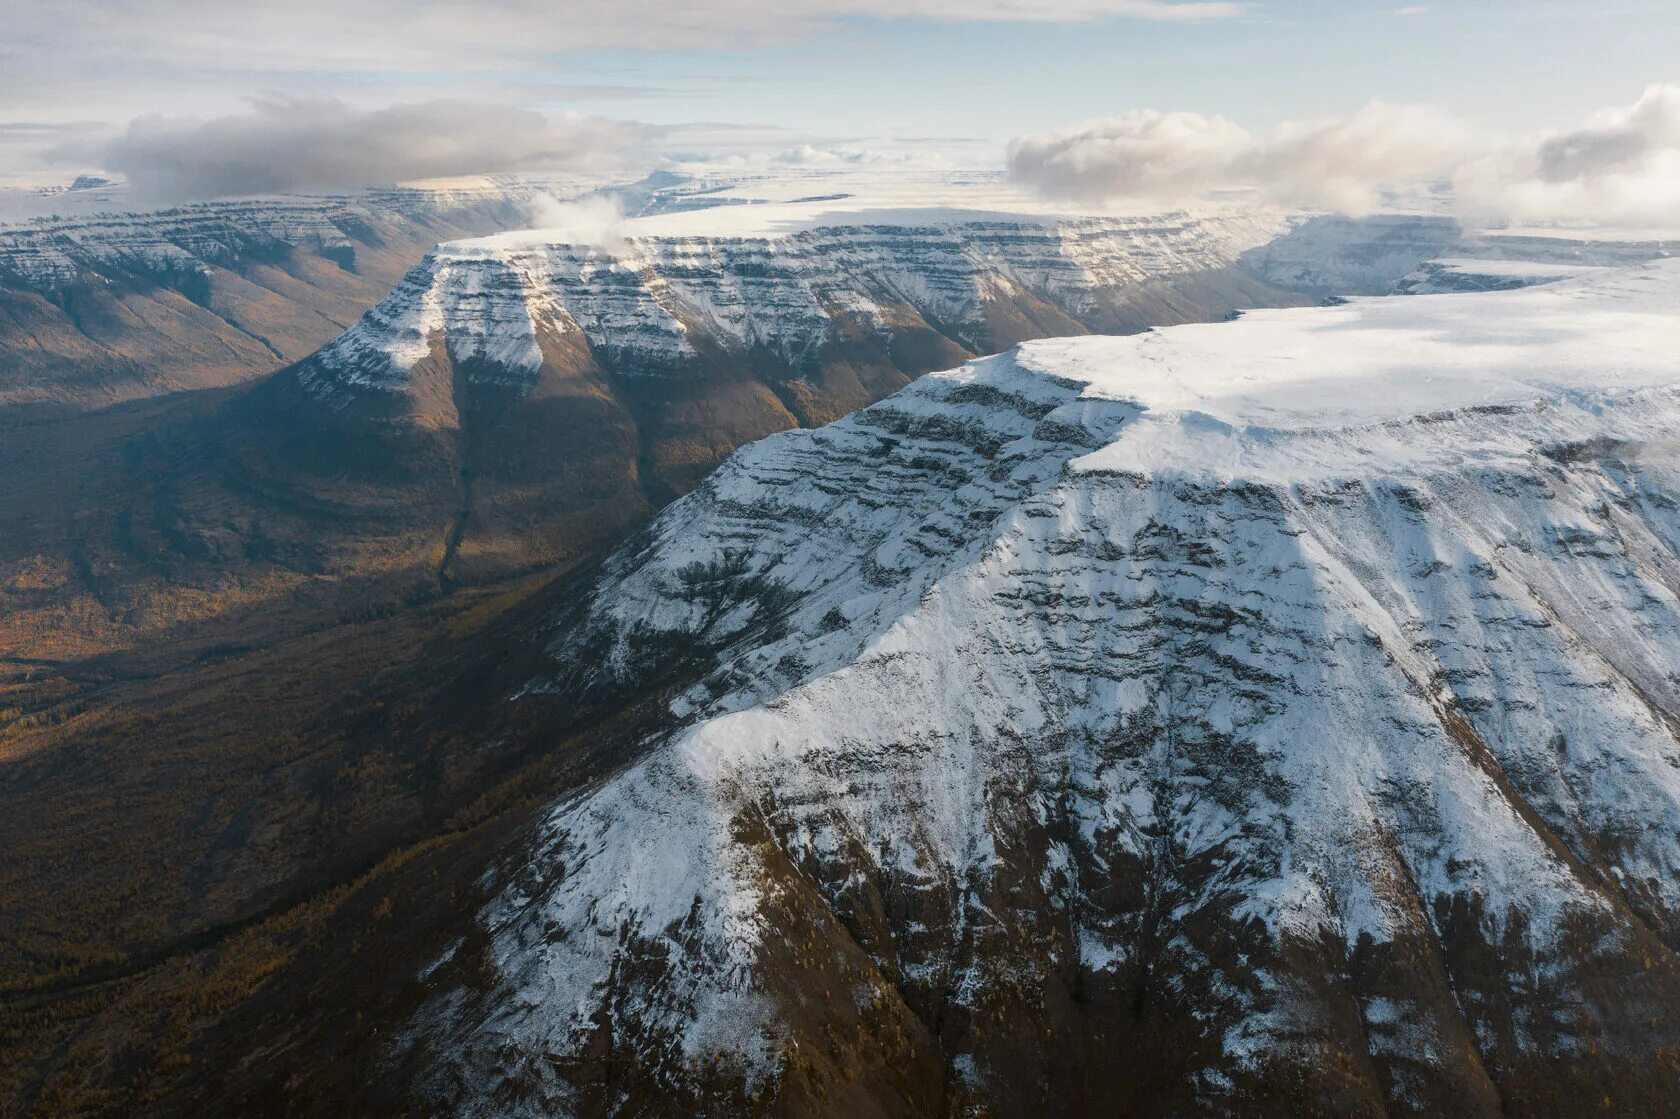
(285, 144)
(1142, 154)
(593, 220)
(1622, 167)
(116, 59)
(1344, 164)
(809, 155)
(1339, 164)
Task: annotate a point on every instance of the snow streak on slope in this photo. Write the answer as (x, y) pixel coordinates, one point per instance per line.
(1214, 663)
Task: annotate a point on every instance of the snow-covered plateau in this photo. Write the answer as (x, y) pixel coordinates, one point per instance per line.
(781, 282)
(664, 293)
(1384, 253)
(1165, 718)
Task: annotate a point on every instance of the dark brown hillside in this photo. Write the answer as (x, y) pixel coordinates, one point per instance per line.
(330, 801)
(280, 778)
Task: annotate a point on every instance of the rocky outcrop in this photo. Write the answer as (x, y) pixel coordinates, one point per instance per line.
(1267, 716)
(1437, 277)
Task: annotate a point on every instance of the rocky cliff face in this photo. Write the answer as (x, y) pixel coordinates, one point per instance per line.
(1448, 274)
(652, 306)
(571, 388)
(1275, 714)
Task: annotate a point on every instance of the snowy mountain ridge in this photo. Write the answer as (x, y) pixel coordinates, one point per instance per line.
(656, 294)
(653, 302)
(1284, 687)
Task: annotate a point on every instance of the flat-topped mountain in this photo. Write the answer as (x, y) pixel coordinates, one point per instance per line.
(1272, 714)
(657, 301)
(792, 287)
(568, 388)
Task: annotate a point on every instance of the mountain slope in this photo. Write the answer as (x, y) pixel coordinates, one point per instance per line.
(226, 626)
(1270, 714)
(293, 545)
(570, 385)
(516, 403)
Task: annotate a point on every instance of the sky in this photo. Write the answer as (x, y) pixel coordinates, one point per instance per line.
(120, 85)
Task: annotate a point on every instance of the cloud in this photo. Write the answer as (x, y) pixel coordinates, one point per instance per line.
(121, 58)
(285, 144)
(1143, 154)
(1161, 11)
(1345, 164)
(1622, 168)
(25, 144)
(594, 220)
(1341, 164)
(809, 155)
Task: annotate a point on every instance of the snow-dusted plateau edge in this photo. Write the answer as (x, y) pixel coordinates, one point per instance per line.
(781, 281)
(652, 296)
(1309, 680)
(167, 243)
